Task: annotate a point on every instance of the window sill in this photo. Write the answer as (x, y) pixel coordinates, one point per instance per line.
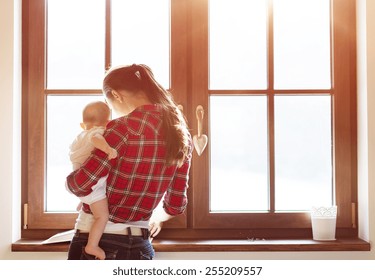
(190, 245)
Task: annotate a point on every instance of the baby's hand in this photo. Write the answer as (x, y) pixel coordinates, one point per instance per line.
(112, 153)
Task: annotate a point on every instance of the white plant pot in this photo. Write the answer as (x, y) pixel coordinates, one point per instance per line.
(323, 222)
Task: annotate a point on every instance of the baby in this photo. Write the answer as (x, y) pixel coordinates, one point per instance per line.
(95, 116)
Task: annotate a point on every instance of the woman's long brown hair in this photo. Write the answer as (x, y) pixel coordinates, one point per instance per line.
(137, 78)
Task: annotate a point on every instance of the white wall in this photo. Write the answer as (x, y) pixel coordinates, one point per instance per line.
(6, 125)
(10, 145)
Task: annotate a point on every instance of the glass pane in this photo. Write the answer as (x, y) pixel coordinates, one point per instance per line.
(302, 44)
(239, 170)
(140, 34)
(303, 152)
(238, 44)
(64, 115)
(75, 44)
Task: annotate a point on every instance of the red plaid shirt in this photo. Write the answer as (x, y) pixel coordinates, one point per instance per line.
(138, 177)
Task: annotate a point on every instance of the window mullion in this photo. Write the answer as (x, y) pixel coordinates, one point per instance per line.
(108, 34)
(271, 128)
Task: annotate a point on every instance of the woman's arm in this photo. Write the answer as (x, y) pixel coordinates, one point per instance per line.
(80, 181)
(175, 199)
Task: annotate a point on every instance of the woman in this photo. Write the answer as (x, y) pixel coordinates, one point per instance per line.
(154, 154)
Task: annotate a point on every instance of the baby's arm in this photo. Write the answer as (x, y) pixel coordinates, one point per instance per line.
(100, 143)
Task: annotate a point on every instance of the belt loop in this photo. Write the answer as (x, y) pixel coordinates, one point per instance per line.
(130, 236)
(145, 233)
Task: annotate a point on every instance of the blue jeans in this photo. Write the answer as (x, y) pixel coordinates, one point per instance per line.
(116, 247)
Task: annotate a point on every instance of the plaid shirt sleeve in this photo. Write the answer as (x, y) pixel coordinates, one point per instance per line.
(83, 179)
(175, 200)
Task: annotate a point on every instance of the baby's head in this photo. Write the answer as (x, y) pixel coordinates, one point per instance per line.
(95, 114)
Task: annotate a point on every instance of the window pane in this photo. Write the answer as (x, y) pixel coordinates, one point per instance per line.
(140, 34)
(64, 115)
(303, 152)
(239, 171)
(302, 44)
(238, 44)
(75, 44)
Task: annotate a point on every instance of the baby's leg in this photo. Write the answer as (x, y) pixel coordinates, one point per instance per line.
(100, 213)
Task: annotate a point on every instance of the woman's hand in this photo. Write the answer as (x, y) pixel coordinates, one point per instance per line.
(79, 206)
(156, 221)
(155, 228)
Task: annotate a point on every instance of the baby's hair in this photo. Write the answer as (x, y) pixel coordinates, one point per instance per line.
(96, 113)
